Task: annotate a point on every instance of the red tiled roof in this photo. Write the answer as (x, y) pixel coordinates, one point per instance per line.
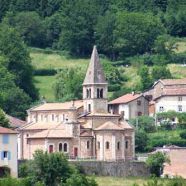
(125, 98)
(173, 81)
(109, 126)
(173, 92)
(7, 131)
(86, 134)
(15, 122)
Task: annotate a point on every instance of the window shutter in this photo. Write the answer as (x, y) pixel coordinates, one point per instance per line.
(9, 155)
(2, 157)
(5, 139)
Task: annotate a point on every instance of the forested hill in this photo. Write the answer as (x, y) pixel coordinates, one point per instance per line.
(120, 28)
(139, 33)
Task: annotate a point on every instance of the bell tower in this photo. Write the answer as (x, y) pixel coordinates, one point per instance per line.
(95, 86)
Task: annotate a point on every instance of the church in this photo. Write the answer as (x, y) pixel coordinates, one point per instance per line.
(82, 129)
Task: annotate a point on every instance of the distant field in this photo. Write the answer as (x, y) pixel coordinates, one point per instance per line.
(43, 60)
(45, 86)
(55, 61)
(116, 181)
(119, 181)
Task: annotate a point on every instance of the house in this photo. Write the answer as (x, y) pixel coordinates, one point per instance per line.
(81, 128)
(167, 94)
(176, 155)
(15, 122)
(129, 106)
(8, 151)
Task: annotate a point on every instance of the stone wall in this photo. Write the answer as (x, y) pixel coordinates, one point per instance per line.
(119, 169)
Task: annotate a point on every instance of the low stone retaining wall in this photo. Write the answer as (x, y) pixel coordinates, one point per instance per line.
(119, 169)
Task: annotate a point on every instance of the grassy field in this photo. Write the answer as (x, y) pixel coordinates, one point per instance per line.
(116, 181)
(43, 60)
(45, 86)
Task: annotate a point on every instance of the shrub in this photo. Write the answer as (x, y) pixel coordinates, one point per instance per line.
(155, 163)
(45, 72)
(183, 134)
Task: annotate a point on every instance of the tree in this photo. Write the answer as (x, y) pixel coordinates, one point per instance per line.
(77, 34)
(54, 170)
(30, 26)
(104, 34)
(146, 80)
(18, 59)
(135, 33)
(13, 100)
(156, 163)
(68, 84)
(160, 72)
(145, 123)
(53, 26)
(114, 76)
(51, 169)
(4, 122)
(141, 140)
(175, 20)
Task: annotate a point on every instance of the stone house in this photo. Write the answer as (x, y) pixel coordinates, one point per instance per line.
(81, 128)
(8, 151)
(167, 94)
(177, 165)
(129, 106)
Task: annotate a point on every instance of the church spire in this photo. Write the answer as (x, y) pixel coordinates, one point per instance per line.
(95, 74)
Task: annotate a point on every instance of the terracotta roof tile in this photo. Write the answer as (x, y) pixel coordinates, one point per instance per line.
(125, 98)
(15, 122)
(58, 106)
(52, 133)
(7, 131)
(109, 126)
(174, 81)
(173, 92)
(86, 134)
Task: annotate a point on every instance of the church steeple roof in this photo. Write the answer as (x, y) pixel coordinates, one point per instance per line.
(95, 74)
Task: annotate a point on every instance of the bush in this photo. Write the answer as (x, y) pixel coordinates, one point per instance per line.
(183, 134)
(45, 72)
(181, 126)
(114, 87)
(155, 163)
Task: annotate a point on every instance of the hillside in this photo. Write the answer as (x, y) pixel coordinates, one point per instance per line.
(53, 60)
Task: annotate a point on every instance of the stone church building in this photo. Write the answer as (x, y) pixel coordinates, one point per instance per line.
(82, 128)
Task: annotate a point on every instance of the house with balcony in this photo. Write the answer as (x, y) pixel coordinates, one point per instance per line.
(8, 152)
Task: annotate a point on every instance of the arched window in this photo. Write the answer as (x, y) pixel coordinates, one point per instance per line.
(118, 145)
(97, 92)
(101, 93)
(60, 147)
(107, 145)
(65, 147)
(88, 144)
(126, 144)
(98, 145)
